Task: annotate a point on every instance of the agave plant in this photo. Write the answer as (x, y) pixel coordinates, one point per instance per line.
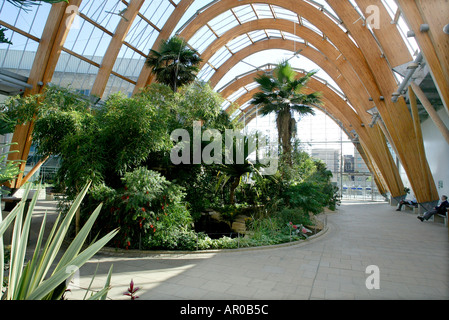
(34, 280)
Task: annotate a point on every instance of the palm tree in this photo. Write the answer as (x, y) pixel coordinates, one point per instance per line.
(175, 64)
(281, 94)
(234, 172)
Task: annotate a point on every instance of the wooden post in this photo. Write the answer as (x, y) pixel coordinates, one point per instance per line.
(430, 110)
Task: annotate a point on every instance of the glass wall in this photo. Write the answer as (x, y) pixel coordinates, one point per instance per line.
(323, 139)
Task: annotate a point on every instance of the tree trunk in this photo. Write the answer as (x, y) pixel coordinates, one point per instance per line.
(284, 126)
(234, 186)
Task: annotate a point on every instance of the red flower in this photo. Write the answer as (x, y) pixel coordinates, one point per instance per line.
(162, 207)
(295, 226)
(143, 209)
(154, 230)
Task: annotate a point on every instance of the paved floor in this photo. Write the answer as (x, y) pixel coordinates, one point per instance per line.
(412, 259)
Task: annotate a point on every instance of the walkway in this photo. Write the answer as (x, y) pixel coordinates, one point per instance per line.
(412, 257)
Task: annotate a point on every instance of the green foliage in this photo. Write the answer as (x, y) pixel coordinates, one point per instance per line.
(198, 102)
(149, 208)
(175, 64)
(130, 129)
(9, 169)
(42, 277)
(294, 215)
(281, 94)
(307, 196)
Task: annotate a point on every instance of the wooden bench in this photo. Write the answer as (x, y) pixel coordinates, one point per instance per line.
(442, 216)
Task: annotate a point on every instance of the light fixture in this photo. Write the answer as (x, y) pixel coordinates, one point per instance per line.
(446, 29)
(412, 65)
(376, 116)
(424, 27)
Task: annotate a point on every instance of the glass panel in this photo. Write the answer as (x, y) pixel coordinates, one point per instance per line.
(157, 11)
(245, 13)
(141, 35)
(223, 22)
(116, 84)
(263, 11)
(201, 40)
(220, 57)
(128, 63)
(74, 73)
(32, 20)
(282, 13)
(87, 40)
(104, 12)
(19, 56)
(238, 43)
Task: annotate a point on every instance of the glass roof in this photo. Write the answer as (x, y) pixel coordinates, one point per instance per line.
(91, 33)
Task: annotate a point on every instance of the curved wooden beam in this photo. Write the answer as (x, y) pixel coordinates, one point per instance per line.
(357, 99)
(379, 155)
(315, 16)
(402, 132)
(114, 47)
(434, 43)
(387, 34)
(53, 37)
(354, 90)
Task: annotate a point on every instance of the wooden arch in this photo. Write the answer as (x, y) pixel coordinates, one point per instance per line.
(372, 69)
(380, 160)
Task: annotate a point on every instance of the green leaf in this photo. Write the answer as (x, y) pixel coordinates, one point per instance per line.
(51, 283)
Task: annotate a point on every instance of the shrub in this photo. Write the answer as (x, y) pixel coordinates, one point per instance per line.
(149, 208)
(294, 215)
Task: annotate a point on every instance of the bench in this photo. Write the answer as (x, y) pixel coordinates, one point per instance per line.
(442, 216)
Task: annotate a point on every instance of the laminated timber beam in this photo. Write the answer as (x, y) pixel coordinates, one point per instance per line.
(145, 76)
(367, 65)
(350, 60)
(401, 132)
(355, 97)
(114, 47)
(434, 43)
(53, 36)
(371, 137)
(326, 56)
(386, 32)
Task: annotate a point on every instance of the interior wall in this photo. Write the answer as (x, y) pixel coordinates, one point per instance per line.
(437, 152)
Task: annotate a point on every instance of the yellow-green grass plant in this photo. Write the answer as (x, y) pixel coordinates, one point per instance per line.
(34, 280)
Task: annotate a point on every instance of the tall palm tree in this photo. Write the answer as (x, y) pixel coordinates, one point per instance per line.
(281, 94)
(175, 64)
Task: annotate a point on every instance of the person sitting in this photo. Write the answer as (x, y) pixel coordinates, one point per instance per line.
(441, 209)
(406, 202)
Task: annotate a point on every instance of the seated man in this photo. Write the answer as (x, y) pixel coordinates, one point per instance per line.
(407, 202)
(441, 209)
